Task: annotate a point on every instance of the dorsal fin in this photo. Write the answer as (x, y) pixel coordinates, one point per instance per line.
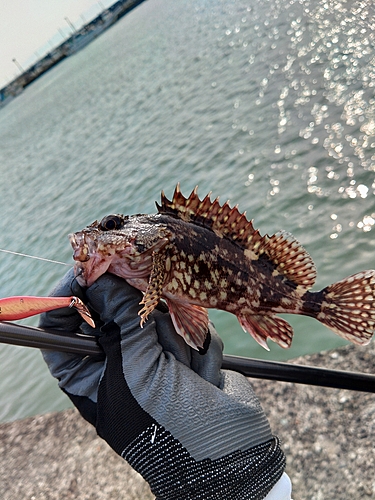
(289, 257)
(222, 219)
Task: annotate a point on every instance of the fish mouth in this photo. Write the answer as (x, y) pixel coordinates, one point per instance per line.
(82, 275)
(80, 245)
(90, 264)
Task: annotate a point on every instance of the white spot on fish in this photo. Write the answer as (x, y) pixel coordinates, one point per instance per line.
(213, 301)
(215, 275)
(208, 284)
(251, 255)
(285, 301)
(179, 276)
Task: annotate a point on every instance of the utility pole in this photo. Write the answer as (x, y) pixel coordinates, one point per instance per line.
(18, 65)
(70, 24)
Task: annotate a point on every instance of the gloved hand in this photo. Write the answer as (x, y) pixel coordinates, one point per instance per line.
(190, 429)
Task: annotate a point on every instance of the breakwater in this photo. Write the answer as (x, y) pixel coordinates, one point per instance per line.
(77, 41)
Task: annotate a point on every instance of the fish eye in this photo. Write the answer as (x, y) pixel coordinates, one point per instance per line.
(111, 222)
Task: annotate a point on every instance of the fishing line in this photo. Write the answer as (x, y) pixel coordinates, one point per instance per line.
(37, 258)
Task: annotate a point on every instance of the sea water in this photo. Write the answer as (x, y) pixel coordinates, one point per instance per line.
(267, 103)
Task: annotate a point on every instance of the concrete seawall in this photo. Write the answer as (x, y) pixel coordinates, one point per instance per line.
(328, 436)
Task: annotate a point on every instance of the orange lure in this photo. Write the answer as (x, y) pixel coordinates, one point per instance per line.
(18, 307)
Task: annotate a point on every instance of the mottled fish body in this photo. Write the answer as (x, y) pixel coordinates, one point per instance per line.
(198, 254)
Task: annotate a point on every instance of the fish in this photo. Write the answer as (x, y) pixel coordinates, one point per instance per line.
(195, 254)
(24, 306)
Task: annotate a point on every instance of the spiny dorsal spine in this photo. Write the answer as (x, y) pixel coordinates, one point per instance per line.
(222, 219)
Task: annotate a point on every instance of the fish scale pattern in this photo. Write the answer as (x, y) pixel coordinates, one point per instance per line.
(248, 475)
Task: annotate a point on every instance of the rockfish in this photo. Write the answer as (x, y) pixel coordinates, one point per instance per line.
(197, 254)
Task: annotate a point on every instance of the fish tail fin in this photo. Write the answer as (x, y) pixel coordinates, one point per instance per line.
(347, 307)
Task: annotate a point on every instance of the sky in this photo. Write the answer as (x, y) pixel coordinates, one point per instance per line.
(29, 29)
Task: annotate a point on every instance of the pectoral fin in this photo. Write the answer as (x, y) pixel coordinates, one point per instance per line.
(154, 289)
(190, 321)
(262, 326)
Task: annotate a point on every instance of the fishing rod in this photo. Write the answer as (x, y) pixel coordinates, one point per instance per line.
(12, 333)
(26, 336)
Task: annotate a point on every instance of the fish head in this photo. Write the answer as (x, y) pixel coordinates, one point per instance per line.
(121, 245)
(97, 246)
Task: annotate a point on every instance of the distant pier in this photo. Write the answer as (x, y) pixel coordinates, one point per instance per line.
(73, 44)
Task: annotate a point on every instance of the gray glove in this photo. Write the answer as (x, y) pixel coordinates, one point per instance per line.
(191, 430)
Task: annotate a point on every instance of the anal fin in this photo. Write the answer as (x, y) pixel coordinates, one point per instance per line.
(190, 321)
(264, 326)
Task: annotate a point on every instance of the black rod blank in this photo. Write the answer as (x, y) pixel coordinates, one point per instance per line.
(12, 333)
(300, 374)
